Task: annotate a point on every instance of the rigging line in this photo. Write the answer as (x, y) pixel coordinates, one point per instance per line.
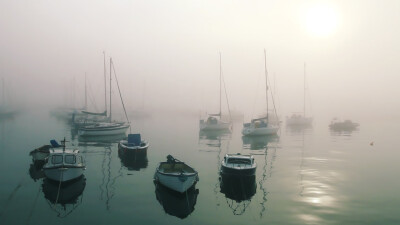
(273, 102)
(255, 99)
(226, 95)
(33, 206)
(91, 98)
(59, 187)
(10, 197)
(119, 90)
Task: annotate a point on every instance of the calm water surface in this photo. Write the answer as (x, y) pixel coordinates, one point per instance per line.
(304, 176)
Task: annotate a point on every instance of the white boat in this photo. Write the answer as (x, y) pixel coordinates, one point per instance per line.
(238, 164)
(343, 125)
(134, 144)
(106, 128)
(259, 126)
(175, 175)
(262, 126)
(215, 121)
(300, 119)
(100, 129)
(64, 164)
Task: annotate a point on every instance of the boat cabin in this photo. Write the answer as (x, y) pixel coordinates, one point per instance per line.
(67, 157)
(238, 159)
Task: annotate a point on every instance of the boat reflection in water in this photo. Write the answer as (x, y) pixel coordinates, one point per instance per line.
(36, 172)
(100, 141)
(66, 198)
(133, 160)
(258, 142)
(238, 190)
(177, 204)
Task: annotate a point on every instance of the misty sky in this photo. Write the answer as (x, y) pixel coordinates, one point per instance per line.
(166, 53)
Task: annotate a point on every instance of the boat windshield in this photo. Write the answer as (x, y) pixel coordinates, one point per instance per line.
(57, 159)
(239, 161)
(70, 159)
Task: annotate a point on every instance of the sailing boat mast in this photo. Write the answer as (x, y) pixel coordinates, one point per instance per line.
(304, 100)
(266, 80)
(3, 92)
(85, 93)
(110, 87)
(105, 83)
(220, 83)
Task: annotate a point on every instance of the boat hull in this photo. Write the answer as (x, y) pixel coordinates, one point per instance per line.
(212, 127)
(107, 131)
(236, 171)
(63, 174)
(139, 150)
(260, 131)
(177, 182)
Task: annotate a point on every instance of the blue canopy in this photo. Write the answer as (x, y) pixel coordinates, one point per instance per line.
(55, 144)
(134, 139)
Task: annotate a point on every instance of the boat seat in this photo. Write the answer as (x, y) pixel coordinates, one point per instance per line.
(134, 139)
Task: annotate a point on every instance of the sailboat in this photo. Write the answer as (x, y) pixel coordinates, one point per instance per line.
(106, 128)
(298, 119)
(261, 126)
(214, 121)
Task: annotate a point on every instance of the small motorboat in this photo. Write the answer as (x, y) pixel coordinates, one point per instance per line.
(134, 144)
(64, 164)
(345, 125)
(238, 164)
(176, 175)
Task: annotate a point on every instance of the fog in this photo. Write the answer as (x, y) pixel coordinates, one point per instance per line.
(166, 55)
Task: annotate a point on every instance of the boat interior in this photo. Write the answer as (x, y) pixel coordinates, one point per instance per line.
(178, 167)
(239, 161)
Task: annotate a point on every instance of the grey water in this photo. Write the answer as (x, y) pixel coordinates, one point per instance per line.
(304, 175)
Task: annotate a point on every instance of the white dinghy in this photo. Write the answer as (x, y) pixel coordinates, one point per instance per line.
(176, 175)
(64, 164)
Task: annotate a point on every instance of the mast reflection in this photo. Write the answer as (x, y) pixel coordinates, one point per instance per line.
(238, 190)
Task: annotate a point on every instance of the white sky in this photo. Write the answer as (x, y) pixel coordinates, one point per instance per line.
(171, 48)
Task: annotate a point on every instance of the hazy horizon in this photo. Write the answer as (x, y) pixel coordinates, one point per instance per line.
(166, 54)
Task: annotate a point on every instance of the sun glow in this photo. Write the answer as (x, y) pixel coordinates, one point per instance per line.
(321, 20)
